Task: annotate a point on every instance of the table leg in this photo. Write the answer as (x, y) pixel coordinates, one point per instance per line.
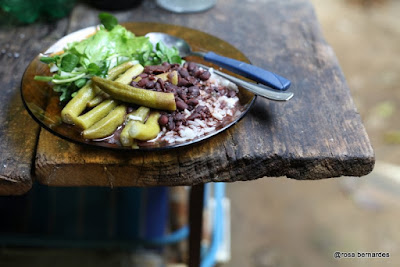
(196, 203)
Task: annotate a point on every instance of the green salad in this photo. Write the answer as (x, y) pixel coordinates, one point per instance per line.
(110, 46)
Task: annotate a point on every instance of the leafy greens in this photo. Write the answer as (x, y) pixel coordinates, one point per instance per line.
(110, 46)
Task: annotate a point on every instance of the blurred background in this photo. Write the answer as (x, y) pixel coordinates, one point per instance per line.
(284, 222)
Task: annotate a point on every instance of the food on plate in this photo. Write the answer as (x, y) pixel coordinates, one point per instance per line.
(107, 125)
(145, 131)
(205, 102)
(116, 88)
(110, 46)
(135, 95)
(138, 115)
(95, 114)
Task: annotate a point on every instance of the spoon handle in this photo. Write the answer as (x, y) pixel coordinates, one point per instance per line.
(249, 71)
(258, 89)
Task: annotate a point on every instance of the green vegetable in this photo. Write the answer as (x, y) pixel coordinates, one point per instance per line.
(138, 96)
(80, 83)
(111, 46)
(43, 78)
(77, 105)
(108, 20)
(161, 54)
(69, 62)
(94, 115)
(49, 60)
(166, 54)
(96, 70)
(138, 115)
(107, 125)
(145, 131)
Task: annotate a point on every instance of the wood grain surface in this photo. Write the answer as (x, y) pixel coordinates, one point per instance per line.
(18, 132)
(318, 134)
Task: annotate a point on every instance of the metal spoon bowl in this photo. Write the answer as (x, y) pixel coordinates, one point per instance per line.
(244, 69)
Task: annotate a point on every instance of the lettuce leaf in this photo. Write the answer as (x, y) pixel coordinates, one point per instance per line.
(110, 46)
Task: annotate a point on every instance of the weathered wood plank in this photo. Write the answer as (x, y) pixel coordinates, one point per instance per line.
(18, 132)
(317, 134)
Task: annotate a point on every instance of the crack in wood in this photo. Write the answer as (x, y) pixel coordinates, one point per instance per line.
(109, 176)
(8, 179)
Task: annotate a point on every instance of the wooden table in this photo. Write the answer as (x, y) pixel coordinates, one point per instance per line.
(318, 134)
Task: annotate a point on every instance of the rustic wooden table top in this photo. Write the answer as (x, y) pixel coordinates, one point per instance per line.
(317, 134)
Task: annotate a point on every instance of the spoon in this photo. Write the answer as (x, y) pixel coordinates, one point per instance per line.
(244, 69)
(258, 89)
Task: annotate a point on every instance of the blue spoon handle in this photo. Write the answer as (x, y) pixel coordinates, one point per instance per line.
(249, 71)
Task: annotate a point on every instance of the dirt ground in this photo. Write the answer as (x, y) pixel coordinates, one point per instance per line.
(279, 222)
(283, 222)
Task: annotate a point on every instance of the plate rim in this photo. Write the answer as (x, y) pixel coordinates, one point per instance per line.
(100, 145)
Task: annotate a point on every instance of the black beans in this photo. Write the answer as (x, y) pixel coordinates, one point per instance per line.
(205, 75)
(183, 82)
(184, 73)
(161, 83)
(150, 84)
(199, 112)
(181, 105)
(163, 120)
(191, 66)
(157, 68)
(192, 102)
(178, 116)
(171, 123)
(143, 82)
(192, 83)
(170, 88)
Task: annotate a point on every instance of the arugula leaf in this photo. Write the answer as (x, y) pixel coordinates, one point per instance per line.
(66, 91)
(108, 20)
(176, 59)
(161, 54)
(95, 70)
(49, 60)
(65, 94)
(69, 62)
(161, 47)
(110, 46)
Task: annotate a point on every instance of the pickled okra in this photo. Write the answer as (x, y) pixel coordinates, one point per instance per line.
(107, 125)
(78, 103)
(173, 77)
(148, 130)
(126, 78)
(138, 115)
(139, 96)
(94, 115)
(97, 99)
(117, 70)
(129, 71)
